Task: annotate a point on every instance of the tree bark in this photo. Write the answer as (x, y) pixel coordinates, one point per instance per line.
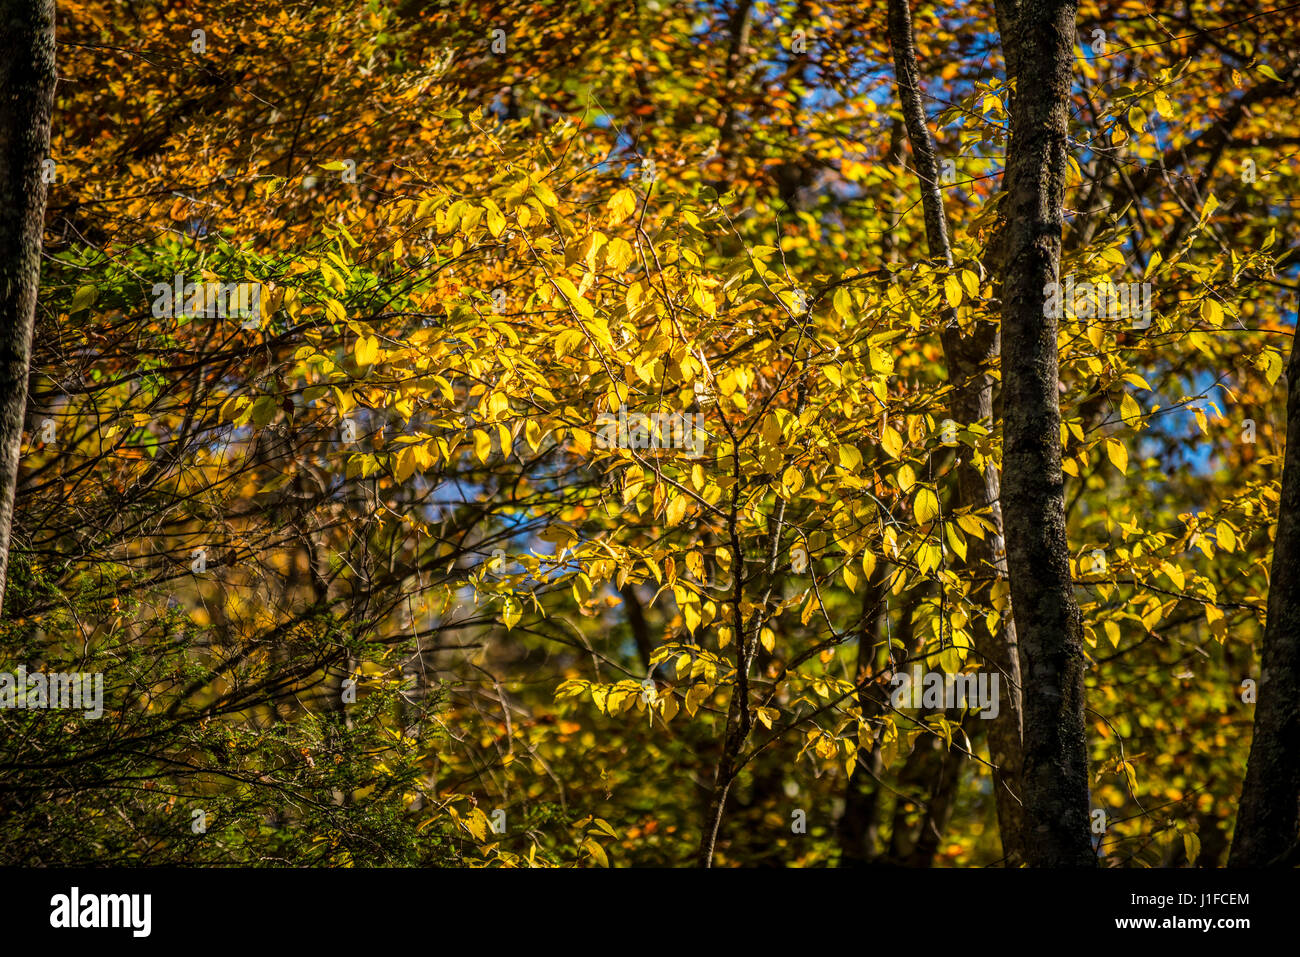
(26, 102)
(970, 360)
(1269, 815)
(1055, 773)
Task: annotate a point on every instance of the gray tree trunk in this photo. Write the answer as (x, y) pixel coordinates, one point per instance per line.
(970, 360)
(1048, 623)
(26, 102)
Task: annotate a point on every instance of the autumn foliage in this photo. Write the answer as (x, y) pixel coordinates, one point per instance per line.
(591, 456)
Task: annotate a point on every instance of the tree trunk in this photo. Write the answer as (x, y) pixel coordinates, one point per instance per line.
(1269, 815)
(1055, 771)
(26, 102)
(969, 359)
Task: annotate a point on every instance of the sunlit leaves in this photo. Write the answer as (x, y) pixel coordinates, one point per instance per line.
(620, 206)
(1130, 411)
(925, 505)
(366, 350)
(1117, 453)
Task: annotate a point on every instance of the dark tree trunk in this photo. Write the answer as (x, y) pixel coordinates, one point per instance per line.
(1048, 623)
(1269, 815)
(970, 360)
(26, 102)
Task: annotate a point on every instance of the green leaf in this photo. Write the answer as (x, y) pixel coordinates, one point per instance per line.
(83, 299)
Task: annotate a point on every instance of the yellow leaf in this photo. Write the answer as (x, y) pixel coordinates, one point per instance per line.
(1272, 365)
(1225, 537)
(955, 540)
(597, 852)
(230, 408)
(868, 564)
(620, 206)
(343, 401)
(366, 350)
(335, 311)
(580, 305)
(906, 478)
(891, 442)
(676, 509)
(698, 694)
(1214, 618)
(619, 254)
(405, 466)
(1130, 411)
(498, 403)
(482, 445)
(1117, 454)
(511, 613)
(477, 822)
(928, 557)
(496, 222)
(1201, 422)
(882, 362)
(952, 291)
(1208, 209)
(925, 505)
(566, 341)
(545, 195)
